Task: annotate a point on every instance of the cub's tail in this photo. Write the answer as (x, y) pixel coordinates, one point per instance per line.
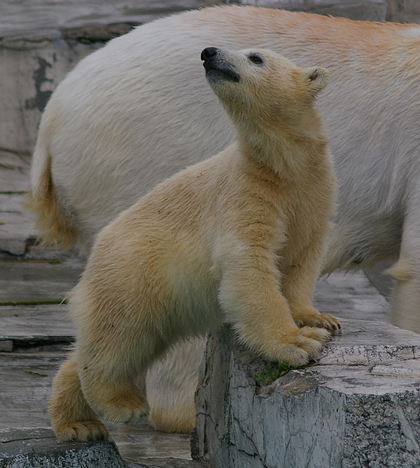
(52, 223)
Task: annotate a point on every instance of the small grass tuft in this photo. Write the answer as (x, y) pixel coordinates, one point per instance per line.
(273, 372)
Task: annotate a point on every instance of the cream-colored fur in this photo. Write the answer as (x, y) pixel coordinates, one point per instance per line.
(138, 110)
(236, 238)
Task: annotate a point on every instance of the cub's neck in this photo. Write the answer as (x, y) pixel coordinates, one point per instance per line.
(287, 148)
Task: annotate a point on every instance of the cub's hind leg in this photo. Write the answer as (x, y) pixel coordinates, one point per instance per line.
(71, 416)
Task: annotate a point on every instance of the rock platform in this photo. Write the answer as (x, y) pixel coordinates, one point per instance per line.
(358, 406)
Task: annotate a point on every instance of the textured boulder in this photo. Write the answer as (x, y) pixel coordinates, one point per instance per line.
(358, 406)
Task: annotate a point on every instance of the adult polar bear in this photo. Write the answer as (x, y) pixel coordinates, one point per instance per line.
(138, 110)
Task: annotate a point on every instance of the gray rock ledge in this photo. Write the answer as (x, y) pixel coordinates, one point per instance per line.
(359, 406)
(38, 448)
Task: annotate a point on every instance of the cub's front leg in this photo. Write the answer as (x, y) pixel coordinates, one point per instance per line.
(251, 299)
(298, 284)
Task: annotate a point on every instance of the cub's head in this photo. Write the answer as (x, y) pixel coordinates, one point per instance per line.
(262, 86)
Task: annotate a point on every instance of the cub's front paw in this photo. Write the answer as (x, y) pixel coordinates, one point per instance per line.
(310, 317)
(302, 345)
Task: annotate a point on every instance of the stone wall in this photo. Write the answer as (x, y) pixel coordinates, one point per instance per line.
(403, 11)
(32, 68)
(367, 10)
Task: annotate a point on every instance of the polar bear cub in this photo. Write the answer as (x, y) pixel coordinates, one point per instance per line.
(237, 238)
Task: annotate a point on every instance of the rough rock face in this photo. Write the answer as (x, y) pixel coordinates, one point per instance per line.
(403, 11)
(359, 406)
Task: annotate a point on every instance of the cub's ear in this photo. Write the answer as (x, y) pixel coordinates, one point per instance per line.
(316, 79)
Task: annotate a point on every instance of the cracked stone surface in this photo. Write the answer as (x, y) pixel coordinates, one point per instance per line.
(358, 406)
(38, 448)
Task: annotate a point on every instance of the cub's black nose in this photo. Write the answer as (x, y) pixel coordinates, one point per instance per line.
(208, 53)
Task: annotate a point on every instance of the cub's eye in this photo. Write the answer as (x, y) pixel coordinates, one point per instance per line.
(256, 59)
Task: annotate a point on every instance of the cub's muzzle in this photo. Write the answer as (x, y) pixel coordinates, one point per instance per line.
(217, 65)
